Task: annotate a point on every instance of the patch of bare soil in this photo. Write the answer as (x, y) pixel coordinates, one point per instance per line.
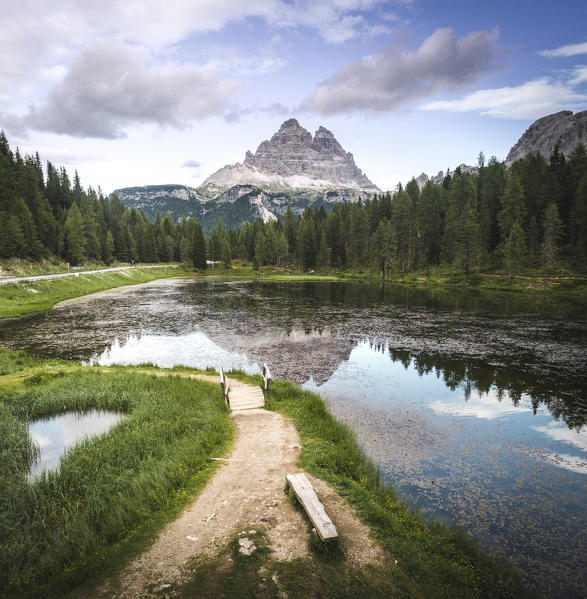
(247, 491)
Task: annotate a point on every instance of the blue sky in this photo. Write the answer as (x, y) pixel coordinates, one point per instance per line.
(146, 92)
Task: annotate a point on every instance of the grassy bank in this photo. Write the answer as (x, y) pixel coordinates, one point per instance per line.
(35, 296)
(532, 282)
(113, 492)
(21, 267)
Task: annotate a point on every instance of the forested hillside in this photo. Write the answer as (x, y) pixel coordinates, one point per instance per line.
(532, 215)
(55, 216)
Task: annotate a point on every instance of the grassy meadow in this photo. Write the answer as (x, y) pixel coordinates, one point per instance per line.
(113, 492)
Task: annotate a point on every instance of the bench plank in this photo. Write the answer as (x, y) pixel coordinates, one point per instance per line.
(304, 491)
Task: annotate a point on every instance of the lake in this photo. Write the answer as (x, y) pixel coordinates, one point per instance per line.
(473, 405)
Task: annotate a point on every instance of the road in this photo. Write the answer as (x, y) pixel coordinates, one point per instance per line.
(77, 273)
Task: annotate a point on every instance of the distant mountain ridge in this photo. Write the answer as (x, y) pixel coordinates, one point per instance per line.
(296, 169)
(290, 169)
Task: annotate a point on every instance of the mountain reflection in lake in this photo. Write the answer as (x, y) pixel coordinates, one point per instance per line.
(474, 406)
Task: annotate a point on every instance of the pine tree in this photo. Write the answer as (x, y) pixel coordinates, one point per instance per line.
(260, 257)
(359, 236)
(307, 240)
(75, 242)
(291, 231)
(335, 238)
(430, 216)
(32, 246)
(108, 248)
(580, 220)
(513, 208)
(199, 248)
(552, 233)
(515, 249)
(322, 259)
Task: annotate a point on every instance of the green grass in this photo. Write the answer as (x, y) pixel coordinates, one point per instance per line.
(113, 492)
(17, 361)
(35, 296)
(22, 267)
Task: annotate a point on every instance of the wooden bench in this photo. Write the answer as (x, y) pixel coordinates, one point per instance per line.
(304, 491)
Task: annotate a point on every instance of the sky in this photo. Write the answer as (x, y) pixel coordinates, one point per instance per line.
(143, 92)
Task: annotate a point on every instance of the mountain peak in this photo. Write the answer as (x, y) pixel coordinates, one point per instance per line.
(293, 158)
(323, 132)
(290, 124)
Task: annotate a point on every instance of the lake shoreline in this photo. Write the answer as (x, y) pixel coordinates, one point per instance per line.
(17, 299)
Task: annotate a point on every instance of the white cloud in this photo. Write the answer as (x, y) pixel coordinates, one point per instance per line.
(43, 44)
(566, 51)
(531, 100)
(487, 407)
(382, 82)
(109, 87)
(579, 75)
(41, 37)
(192, 164)
(166, 351)
(560, 432)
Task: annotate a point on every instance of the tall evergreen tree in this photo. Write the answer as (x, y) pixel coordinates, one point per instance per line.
(199, 248)
(75, 242)
(552, 233)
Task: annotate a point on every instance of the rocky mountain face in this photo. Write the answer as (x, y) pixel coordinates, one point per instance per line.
(294, 159)
(563, 128)
(290, 169)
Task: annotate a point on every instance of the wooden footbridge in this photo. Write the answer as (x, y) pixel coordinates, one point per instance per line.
(241, 396)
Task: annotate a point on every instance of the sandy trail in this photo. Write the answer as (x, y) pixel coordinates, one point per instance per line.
(246, 492)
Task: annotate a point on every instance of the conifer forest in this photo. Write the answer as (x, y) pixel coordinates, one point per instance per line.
(532, 215)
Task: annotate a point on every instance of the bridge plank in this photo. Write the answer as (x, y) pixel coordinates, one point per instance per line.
(245, 398)
(306, 495)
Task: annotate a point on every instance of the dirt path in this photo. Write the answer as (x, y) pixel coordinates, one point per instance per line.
(246, 492)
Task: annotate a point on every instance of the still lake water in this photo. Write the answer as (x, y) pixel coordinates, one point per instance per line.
(474, 406)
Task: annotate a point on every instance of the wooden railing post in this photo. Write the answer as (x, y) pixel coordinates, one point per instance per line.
(224, 384)
(266, 379)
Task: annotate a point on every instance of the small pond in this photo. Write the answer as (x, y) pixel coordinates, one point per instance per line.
(55, 435)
